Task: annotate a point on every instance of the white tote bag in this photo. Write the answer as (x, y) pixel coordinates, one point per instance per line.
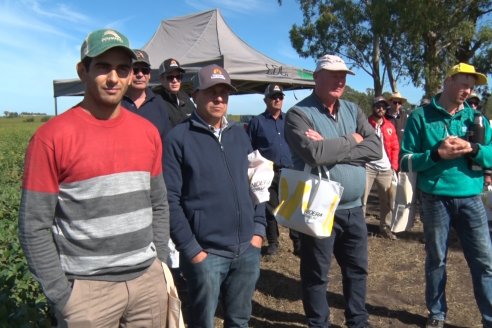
(405, 200)
(260, 173)
(307, 202)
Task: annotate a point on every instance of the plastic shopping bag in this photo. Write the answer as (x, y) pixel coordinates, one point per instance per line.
(307, 202)
(260, 173)
(405, 206)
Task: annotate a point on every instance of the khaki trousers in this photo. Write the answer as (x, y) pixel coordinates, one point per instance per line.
(141, 302)
(385, 192)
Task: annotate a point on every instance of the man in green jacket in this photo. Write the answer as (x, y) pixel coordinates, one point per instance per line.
(436, 140)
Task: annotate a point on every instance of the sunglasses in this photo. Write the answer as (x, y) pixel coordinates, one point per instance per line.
(144, 70)
(381, 105)
(396, 102)
(473, 103)
(277, 96)
(171, 78)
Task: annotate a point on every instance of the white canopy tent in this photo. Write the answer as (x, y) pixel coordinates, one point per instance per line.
(200, 39)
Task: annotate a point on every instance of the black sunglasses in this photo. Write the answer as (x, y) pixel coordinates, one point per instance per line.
(396, 102)
(276, 96)
(144, 70)
(171, 78)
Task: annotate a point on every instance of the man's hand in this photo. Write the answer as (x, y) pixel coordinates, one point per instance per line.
(199, 257)
(257, 241)
(313, 135)
(358, 138)
(454, 147)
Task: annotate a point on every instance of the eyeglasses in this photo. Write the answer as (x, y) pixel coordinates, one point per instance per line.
(473, 103)
(380, 106)
(396, 102)
(144, 70)
(171, 78)
(276, 96)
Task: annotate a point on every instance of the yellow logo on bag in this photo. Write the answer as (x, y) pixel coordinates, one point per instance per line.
(287, 206)
(289, 203)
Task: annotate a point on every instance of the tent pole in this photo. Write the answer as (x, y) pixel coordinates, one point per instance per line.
(56, 106)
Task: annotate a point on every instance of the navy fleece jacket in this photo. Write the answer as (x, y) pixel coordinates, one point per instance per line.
(208, 190)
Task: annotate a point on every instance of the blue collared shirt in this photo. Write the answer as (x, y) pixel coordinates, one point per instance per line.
(267, 135)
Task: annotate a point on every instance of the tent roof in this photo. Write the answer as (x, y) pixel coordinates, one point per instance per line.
(205, 38)
(200, 39)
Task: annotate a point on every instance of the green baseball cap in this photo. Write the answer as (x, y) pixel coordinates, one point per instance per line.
(100, 41)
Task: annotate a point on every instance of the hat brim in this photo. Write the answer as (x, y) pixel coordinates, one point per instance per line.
(209, 85)
(173, 69)
(333, 70)
(379, 102)
(275, 93)
(481, 79)
(99, 51)
(403, 100)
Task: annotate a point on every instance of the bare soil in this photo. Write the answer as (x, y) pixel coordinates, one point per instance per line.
(395, 296)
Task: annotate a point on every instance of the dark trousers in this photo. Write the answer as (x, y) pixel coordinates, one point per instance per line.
(348, 243)
(272, 226)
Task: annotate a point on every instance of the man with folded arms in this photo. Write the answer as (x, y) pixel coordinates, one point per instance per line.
(323, 130)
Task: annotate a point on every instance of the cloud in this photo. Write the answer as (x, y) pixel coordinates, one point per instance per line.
(59, 12)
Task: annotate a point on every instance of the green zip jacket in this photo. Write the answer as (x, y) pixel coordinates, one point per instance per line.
(426, 127)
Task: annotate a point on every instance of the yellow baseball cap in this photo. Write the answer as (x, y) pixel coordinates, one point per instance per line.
(468, 69)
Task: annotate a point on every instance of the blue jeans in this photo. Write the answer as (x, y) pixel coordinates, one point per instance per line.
(234, 280)
(348, 243)
(467, 216)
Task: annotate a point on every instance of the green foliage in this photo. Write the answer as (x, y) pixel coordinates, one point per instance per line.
(417, 39)
(29, 119)
(22, 303)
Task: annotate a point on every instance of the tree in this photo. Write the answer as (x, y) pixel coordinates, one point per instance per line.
(343, 28)
(418, 39)
(441, 33)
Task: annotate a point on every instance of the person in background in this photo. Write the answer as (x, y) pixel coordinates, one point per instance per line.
(383, 171)
(324, 130)
(396, 114)
(474, 101)
(179, 104)
(94, 219)
(436, 137)
(141, 100)
(266, 132)
(217, 229)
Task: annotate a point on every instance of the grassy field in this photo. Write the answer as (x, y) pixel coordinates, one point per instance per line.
(21, 302)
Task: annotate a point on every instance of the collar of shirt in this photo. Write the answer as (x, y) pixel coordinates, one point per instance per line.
(269, 115)
(216, 131)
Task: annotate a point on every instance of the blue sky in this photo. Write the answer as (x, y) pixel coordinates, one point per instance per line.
(40, 42)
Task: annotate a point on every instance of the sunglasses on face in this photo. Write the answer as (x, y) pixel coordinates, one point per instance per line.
(144, 70)
(277, 96)
(473, 103)
(396, 102)
(380, 106)
(171, 78)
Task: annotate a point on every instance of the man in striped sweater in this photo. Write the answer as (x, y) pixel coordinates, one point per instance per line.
(94, 219)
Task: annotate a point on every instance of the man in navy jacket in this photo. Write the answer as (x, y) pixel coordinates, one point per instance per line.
(217, 229)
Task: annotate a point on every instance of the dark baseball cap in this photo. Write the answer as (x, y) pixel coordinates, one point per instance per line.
(170, 65)
(211, 75)
(380, 99)
(100, 41)
(274, 89)
(142, 57)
